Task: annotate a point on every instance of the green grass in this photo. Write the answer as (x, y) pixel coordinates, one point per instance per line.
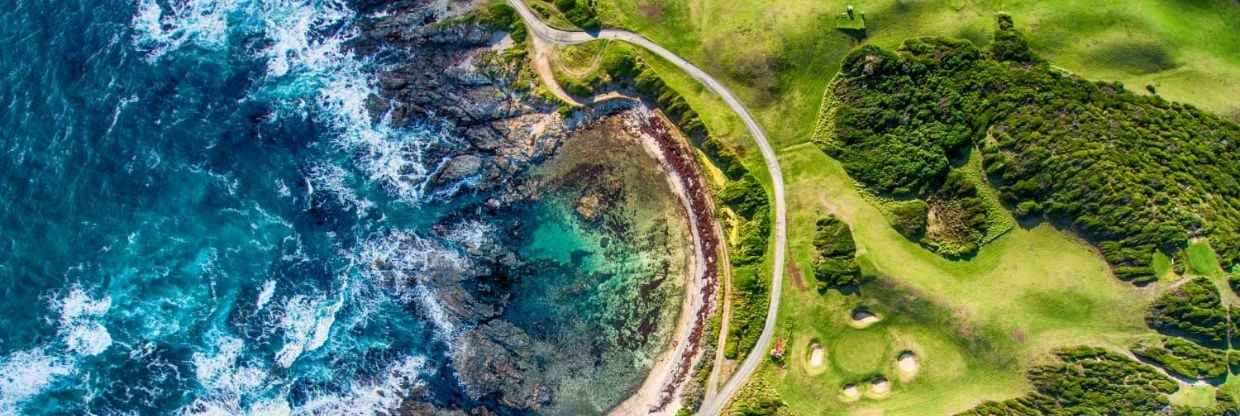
(1201, 259)
(1197, 396)
(860, 351)
(975, 325)
(1162, 265)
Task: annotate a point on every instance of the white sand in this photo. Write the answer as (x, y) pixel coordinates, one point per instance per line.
(816, 355)
(862, 317)
(880, 388)
(851, 393)
(907, 366)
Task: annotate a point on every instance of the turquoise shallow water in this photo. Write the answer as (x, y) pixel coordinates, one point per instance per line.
(190, 192)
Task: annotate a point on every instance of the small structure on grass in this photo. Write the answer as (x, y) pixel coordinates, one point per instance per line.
(851, 22)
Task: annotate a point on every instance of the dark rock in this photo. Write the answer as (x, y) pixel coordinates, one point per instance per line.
(458, 168)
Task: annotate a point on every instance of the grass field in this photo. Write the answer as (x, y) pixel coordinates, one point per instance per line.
(974, 325)
(779, 54)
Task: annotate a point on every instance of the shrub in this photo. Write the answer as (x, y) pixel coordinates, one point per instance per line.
(1087, 381)
(909, 218)
(502, 17)
(1131, 173)
(1184, 358)
(1193, 310)
(746, 196)
(834, 264)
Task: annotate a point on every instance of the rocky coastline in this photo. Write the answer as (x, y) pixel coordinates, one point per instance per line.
(447, 68)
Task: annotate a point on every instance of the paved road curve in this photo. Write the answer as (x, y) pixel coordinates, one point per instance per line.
(555, 36)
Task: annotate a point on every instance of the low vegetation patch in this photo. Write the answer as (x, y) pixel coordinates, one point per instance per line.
(748, 198)
(1135, 57)
(1132, 173)
(1192, 310)
(835, 263)
(1087, 381)
(759, 397)
(958, 219)
(1184, 358)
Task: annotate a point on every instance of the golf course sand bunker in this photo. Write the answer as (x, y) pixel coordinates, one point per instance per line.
(879, 388)
(815, 355)
(862, 317)
(907, 365)
(850, 393)
(816, 363)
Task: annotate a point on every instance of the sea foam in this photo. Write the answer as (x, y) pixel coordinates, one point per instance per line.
(78, 322)
(195, 22)
(25, 374)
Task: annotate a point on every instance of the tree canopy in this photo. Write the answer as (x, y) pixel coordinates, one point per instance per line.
(1131, 173)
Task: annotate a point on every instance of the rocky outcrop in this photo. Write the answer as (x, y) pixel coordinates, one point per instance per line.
(451, 73)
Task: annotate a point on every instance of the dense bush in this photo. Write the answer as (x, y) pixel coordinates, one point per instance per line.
(724, 157)
(748, 199)
(1184, 358)
(959, 217)
(909, 218)
(750, 302)
(1132, 173)
(835, 264)
(582, 13)
(1192, 310)
(751, 245)
(502, 17)
(1233, 281)
(746, 196)
(1087, 381)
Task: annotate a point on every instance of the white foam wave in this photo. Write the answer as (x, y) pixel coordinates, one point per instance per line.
(307, 323)
(323, 324)
(471, 234)
(88, 339)
(434, 310)
(221, 373)
(25, 374)
(309, 55)
(400, 260)
(333, 179)
(198, 22)
(374, 397)
(264, 295)
(310, 71)
(79, 327)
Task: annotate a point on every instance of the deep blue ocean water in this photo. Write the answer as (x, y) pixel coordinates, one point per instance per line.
(190, 194)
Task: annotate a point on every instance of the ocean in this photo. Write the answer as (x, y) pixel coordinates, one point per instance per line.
(190, 191)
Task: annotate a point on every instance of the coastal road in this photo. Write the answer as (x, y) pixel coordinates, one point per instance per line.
(554, 36)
